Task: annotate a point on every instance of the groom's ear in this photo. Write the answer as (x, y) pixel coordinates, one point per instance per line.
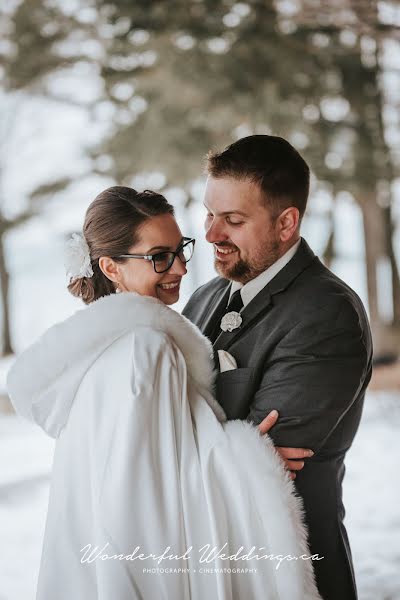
(288, 223)
(109, 267)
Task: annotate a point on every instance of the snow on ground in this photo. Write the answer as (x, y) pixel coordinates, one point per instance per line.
(371, 498)
(26, 457)
(373, 519)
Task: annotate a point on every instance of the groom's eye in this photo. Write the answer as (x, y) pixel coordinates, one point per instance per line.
(233, 222)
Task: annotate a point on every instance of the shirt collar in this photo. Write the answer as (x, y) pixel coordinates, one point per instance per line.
(253, 287)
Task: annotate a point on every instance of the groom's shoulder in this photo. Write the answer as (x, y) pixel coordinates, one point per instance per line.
(210, 288)
(314, 287)
(322, 291)
(206, 292)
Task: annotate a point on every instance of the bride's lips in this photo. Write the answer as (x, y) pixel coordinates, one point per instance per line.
(224, 252)
(170, 287)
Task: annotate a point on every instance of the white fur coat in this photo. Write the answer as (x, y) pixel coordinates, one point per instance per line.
(152, 491)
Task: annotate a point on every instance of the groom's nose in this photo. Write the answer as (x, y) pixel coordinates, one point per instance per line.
(215, 231)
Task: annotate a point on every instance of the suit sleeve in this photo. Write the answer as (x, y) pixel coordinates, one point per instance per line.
(313, 377)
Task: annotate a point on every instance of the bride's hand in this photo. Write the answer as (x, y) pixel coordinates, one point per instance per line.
(290, 456)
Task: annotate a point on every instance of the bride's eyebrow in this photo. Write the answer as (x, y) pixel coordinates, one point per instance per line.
(162, 248)
(158, 248)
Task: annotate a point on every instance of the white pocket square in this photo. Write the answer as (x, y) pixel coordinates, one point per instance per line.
(226, 361)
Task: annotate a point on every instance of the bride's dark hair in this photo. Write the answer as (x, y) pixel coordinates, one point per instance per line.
(111, 227)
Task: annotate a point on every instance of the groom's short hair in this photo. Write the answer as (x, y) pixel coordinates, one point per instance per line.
(270, 162)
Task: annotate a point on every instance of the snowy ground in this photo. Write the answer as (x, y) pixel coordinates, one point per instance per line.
(373, 518)
(26, 456)
(371, 498)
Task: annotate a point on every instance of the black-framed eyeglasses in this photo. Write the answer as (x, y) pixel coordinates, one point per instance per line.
(162, 261)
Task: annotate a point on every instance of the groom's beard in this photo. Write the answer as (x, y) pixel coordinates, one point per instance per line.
(243, 270)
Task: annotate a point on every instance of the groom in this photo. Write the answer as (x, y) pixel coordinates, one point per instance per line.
(304, 344)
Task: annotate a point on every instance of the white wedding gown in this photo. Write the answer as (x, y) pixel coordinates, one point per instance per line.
(145, 461)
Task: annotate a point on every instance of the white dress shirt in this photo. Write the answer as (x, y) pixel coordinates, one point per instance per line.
(250, 290)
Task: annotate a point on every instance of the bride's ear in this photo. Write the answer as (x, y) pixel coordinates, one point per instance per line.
(109, 267)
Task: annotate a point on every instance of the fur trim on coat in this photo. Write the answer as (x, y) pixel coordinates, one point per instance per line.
(66, 351)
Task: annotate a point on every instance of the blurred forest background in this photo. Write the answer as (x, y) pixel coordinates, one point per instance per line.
(136, 92)
(95, 93)
(160, 83)
(157, 84)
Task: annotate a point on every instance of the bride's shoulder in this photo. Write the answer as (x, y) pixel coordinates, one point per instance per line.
(157, 329)
(150, 337)
(151, 352)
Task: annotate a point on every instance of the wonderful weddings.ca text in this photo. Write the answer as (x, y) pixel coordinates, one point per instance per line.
(207, 555)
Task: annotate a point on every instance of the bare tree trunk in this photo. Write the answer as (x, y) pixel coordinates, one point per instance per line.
(378, 224)
(386, 335)
(4, 291)
(394, 267)
(329, 251)
(388, 174)
(374, 249)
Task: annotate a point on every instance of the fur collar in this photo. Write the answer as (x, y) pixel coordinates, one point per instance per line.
(75, 343)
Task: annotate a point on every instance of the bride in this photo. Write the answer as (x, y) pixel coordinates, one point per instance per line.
(153, 495)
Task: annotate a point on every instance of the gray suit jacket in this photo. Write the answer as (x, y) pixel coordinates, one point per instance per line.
(304, 348)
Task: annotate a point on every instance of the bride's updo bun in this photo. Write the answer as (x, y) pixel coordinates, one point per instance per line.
(111, 227)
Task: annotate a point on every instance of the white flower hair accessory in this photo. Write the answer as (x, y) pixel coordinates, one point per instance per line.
(77, 258)
(230, 321)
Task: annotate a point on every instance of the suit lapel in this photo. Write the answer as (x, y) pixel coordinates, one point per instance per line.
(259, 305)
(216, 309)
(262, 302)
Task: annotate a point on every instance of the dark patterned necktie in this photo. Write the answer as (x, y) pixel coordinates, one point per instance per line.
(235, 305)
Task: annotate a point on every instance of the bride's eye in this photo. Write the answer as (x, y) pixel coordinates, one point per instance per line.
(161, 257)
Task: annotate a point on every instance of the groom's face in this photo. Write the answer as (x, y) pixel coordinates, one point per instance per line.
(241, 228)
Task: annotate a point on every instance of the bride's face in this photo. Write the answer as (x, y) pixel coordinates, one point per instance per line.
(157, 234)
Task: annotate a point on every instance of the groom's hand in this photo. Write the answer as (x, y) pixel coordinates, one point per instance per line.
(290, 456)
